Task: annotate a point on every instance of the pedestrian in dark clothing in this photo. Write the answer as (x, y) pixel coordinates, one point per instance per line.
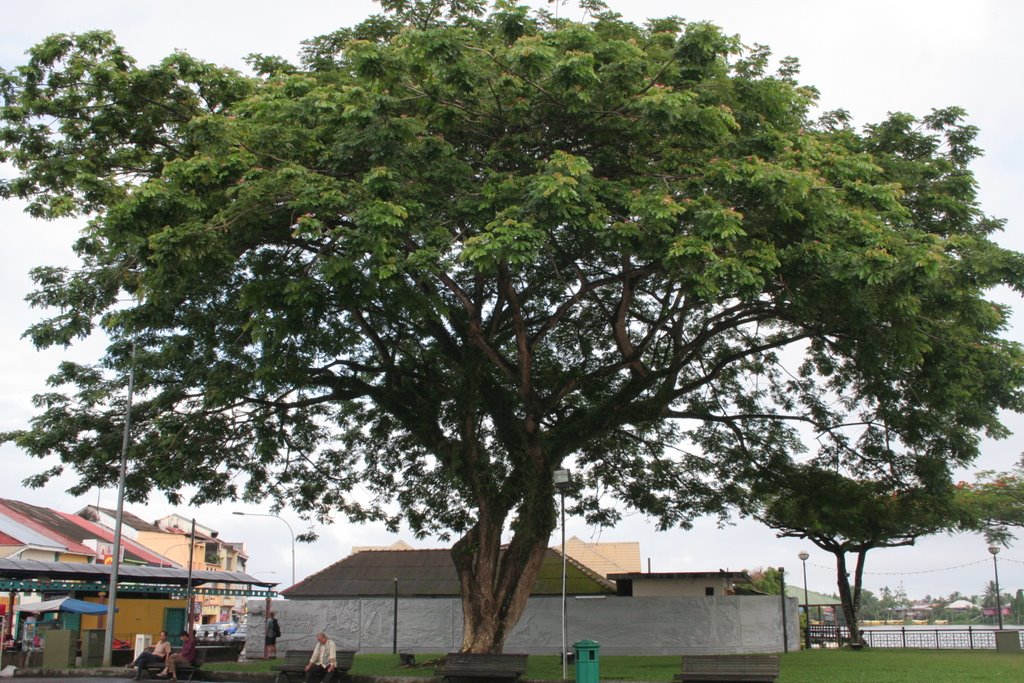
(270, 639)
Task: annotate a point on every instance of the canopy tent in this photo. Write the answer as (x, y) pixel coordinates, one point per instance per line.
(961, 605)
(63, 605)
(814, 599)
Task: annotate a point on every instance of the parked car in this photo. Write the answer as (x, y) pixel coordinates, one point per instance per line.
(217, 631)
(239, 634)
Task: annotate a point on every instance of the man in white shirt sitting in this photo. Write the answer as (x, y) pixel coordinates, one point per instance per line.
(323, 663)
(155, 654)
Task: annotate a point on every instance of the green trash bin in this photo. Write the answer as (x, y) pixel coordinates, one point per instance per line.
(94, 642)
(588, 668)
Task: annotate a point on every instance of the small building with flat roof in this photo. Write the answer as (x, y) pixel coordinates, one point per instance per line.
(678, 584)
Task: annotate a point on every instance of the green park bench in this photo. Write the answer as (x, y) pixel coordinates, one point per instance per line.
(726, 668)
(472, 666)
(295, 662)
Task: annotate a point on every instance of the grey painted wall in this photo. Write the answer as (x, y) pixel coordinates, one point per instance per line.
(622, 625)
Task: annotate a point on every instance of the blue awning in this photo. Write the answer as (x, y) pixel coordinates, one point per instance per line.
(63, 605)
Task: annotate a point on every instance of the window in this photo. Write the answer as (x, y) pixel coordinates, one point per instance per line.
(709, 590)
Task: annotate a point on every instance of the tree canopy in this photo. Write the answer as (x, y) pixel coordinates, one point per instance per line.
(846, 515)
(994, 503)
(459, 246)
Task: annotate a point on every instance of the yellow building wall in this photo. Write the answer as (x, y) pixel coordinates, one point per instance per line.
(134, 616)
(74, 557)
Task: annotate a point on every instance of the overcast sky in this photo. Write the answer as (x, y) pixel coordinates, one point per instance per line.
(869, 57)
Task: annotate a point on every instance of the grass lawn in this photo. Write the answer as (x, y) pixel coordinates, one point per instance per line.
(814, 666)
(901, 666)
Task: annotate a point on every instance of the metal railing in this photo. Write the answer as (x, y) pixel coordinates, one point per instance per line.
(967, 638)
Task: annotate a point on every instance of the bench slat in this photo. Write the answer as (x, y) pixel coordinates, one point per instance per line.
(476, 665)
(295, 663)
(186, 671)
(724, 668)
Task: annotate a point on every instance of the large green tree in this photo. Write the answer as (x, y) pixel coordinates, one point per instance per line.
(458, 247)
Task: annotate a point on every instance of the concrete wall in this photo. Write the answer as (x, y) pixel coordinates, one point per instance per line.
(622, 625)
(690, 588)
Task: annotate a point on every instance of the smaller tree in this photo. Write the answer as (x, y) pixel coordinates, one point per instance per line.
(846, 515)
(766, 580)
(994, 503)
(991, 601)
(870, 605)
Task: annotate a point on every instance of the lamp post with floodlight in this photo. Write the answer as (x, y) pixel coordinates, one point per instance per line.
(562, 482)
(994, 549)
(803, 555)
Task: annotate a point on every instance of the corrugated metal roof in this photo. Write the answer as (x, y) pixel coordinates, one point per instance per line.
(78, 531)
(26, 535)
(48, 523)
(90, 512)
(134, 521)
(133, 551)
(78, 571)
(813, 597)
(428, 573)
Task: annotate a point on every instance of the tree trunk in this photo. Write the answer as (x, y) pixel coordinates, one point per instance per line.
(850, 598)
(845, 595)
(496, 583)
(858, 582)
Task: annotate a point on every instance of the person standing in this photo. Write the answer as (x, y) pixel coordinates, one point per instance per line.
(324, 662)
(29, 634)
(186, 655)
(155, 654)
(270, 639)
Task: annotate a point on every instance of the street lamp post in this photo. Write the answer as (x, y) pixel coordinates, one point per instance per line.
(994, 549)
(266, 611)
(262, 514)
(394, 627)
(782, 594)
(562, 482)
(191, 592)
(115, 565)
(803, 555)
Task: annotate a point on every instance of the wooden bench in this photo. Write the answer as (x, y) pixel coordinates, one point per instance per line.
(295, 662)
(475, 666)
(725, 668)
(182, 671)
